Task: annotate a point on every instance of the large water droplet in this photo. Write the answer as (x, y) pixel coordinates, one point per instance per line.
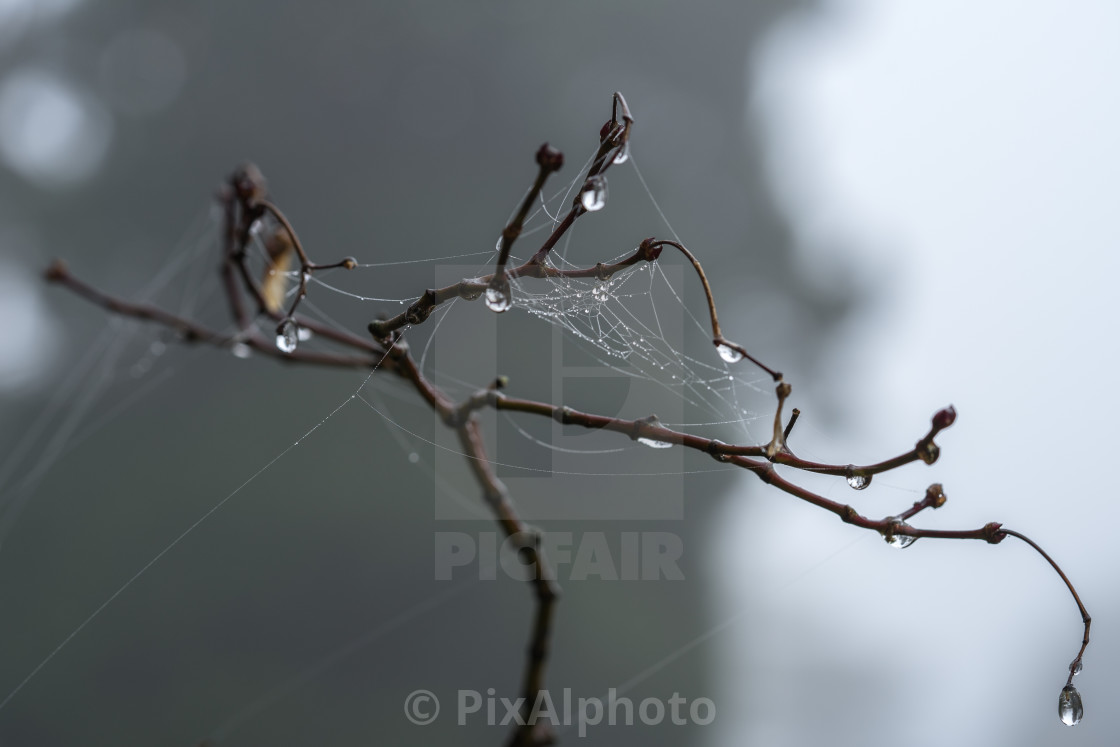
(730, 354)
(859, 482)
(899, 541)
(240, 350)
(654, 444)
(287, 336)
(594, 194)
(623, 154)
(498, 299)
(1070, 710)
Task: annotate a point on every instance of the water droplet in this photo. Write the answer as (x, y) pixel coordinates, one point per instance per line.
(899, 540)
(240, 350)
(654, 444)
(1075, 666)
(730, 354)
(498, 300)
(498, 246)
(602, 291)
(414, 457)
(287, 336)
(304, 334)
(859, 482)
(157, 348)
(623, 154)
(594, 194)
(1070, 710)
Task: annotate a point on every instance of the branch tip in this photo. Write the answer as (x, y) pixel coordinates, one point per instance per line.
(56, 271)
(944, 418)
(549, 158)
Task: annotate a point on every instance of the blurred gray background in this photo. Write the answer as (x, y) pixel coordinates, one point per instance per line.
(904, 207)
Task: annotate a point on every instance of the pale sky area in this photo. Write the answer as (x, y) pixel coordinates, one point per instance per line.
(965, 156)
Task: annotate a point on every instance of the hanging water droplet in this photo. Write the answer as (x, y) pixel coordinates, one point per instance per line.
(287, 336)
(728, 353)
(1075, 667)
(498, 300)
(859, 482)
(594, 194)
(654, 443)
(1070, 710)
(623, 154)
(899, 541)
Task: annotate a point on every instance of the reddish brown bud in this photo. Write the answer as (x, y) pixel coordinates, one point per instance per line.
(648, 250)
(549, 158)
(249, 183)
(935, 495)
(993, 534)
(944, 417)
(57, 271)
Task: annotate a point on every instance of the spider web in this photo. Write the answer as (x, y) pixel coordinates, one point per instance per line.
(621, 324)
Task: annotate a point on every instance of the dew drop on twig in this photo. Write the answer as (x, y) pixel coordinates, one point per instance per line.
(498, 299)
(287, 336)
(594, 194)
(729, 354)
(899, 541)
(654, 443)
(1075, 667)
(1070, 710)
(859, 482)
(623, 154)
